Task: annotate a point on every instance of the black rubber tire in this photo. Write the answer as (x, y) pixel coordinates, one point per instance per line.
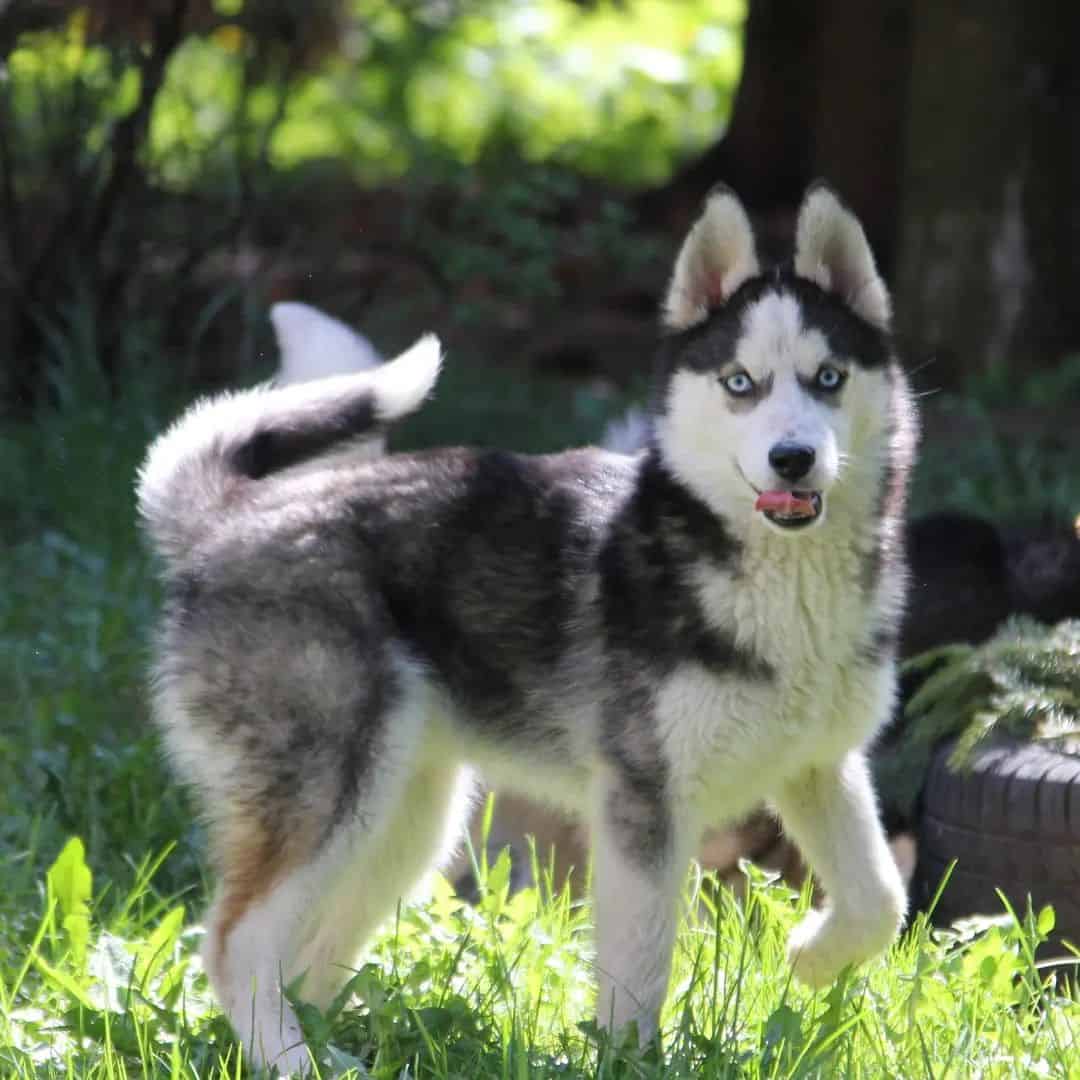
(1012, 822)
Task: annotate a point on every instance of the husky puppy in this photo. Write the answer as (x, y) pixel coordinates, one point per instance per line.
(659, 641)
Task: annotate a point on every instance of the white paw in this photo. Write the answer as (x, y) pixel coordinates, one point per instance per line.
(825, 942)
(291, 1060)
(812, 950)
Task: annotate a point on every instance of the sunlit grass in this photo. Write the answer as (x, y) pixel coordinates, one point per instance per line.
(104, 983)
(103, 883)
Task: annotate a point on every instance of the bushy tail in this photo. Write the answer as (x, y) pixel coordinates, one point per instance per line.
(225, 442)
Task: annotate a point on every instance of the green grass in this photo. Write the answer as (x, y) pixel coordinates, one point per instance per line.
(106, 983)
(99, 937)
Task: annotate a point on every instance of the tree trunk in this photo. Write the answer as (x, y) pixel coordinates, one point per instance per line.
(821, 96)
(861, 68)
(989, 245)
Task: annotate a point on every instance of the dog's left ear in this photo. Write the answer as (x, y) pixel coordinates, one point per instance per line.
(717, 256)
(831, 250)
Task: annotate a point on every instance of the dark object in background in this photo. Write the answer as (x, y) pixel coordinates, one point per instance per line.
(1011, 821)
(1044, 572)
(959, 582)
(967, 577)
(959, 591)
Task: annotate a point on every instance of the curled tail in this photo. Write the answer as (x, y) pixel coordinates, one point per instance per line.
(225, 442)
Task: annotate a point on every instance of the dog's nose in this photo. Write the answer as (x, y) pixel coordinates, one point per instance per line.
(792, 460)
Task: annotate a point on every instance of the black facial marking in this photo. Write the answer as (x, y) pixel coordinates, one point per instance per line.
(710, 344)
(650, 608)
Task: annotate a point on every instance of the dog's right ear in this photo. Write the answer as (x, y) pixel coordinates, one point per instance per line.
(717, 256)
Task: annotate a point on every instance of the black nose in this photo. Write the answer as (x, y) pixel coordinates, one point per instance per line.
(792, 460)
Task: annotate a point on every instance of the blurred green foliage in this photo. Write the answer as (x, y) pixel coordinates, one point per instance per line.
(616, 90)
(1012, 384)
(459, 163)
(993, 473)
(622, 90)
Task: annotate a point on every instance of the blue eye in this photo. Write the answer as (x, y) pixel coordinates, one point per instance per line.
(740, 384)
(829, 378)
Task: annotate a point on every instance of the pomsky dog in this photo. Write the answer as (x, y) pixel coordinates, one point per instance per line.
(658, 642)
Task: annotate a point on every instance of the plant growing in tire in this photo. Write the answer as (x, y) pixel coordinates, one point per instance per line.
(990, 750)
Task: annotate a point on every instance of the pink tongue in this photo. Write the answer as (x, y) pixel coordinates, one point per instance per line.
(785, 502)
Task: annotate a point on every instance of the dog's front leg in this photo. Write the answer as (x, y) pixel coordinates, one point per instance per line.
(832, 814)
(641, 851)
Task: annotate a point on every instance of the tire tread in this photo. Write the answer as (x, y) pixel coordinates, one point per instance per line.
(1012, 821)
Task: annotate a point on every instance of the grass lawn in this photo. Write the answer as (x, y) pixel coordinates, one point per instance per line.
(102, 884)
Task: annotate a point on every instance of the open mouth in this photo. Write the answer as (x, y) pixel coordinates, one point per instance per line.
(790, 509)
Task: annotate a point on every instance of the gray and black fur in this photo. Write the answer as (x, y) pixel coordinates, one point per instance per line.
(344, 638)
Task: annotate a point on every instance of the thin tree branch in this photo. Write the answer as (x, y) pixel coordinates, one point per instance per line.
(129, 133)
(8, 202)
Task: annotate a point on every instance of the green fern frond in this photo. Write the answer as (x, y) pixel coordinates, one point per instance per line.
(1024, 682)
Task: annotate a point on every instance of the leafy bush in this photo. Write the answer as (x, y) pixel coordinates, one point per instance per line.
(1048, 387)
(1023, 682)
(1001, 476)
(186, 160)
(619, 90)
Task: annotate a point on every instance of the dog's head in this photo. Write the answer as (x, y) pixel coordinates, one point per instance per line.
(776, 387)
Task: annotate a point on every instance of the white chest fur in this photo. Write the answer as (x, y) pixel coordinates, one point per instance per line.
(802, 608)
(799, 605)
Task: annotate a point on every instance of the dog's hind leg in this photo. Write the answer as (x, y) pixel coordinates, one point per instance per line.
(421, 834)
(275, 920)
(261, 905)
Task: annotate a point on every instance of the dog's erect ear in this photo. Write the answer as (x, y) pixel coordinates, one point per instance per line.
(717, 256)
(314, 345)
(832, 251)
